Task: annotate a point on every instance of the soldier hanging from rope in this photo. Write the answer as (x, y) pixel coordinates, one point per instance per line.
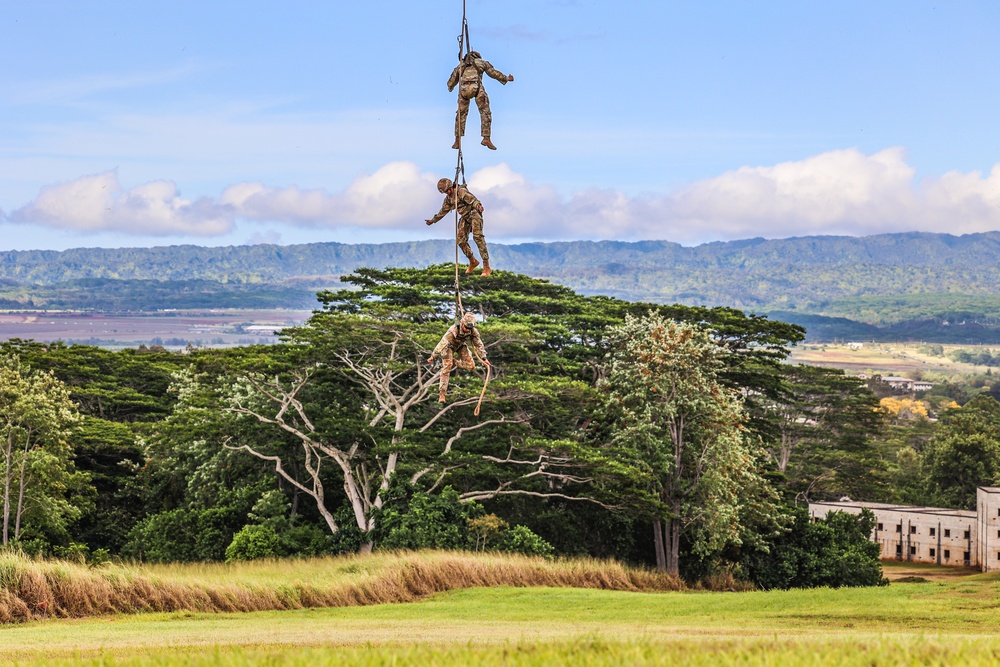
(471, 222)
(454, 351)
(468, 76)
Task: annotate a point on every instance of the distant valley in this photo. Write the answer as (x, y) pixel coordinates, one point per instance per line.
(914, 286)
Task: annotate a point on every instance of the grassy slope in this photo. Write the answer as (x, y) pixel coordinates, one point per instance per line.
(952, 621)
(32, 590)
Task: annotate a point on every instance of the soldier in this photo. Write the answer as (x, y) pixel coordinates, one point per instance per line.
(471, 222)
(468, 76)
(454, 350)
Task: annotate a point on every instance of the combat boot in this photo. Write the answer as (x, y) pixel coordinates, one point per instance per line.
(457, 144)
(489, 144)
(473, 263)
(486, 268)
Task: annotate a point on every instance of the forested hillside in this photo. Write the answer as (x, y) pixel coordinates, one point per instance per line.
(335, 441)
(908, 285)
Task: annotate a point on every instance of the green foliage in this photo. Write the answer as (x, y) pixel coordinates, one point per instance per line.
(443, 521)
(42, 492)
(183, 535)
(835, 551)
(975, 357)
(253, 542)
(681, 438)
(828, 423)
(438, 521)
(521, 540)
(964, 453)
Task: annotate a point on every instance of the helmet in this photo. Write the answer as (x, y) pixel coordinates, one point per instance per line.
(475, 54)
(468, 320)
(444, 185)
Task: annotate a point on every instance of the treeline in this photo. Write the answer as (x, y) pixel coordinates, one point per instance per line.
(966, 330)
(134, 295)
(880, 280)
(668, 435)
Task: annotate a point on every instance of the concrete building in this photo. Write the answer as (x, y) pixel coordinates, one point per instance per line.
(933, 534)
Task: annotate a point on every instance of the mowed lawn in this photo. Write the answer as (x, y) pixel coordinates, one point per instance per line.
(953, 620)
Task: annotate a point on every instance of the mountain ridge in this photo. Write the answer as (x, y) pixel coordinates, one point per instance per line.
(808, 274)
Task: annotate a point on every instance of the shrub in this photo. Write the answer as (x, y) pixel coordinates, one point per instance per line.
(183, 535)
(439, 521)
(522, 540)
(254, 541)
(835, 551)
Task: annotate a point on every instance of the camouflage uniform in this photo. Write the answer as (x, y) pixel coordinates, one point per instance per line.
(471, 222)
(468, 76)
(454, 350)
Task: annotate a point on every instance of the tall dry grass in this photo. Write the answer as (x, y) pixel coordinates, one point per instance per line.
(34, 589)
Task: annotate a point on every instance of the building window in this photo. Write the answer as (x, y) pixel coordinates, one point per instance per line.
(880, 527)
(965, 557)
(899, 527)
(947, 532)
(998, 512)
(947, 553)
(966, 536)
(913, 530)
(933, 532)
(934, 553)
(913, 550)
(998, 533)
(899, 548)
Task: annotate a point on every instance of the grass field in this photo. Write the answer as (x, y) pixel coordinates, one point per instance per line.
(886, 359)
(951, 619)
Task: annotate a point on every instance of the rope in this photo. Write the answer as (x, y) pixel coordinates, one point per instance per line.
(489, 373)
(463, 42)
(459, 169)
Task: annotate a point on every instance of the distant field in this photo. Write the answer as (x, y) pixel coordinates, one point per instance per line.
(171, 329)
(903, 359)
(950, 620)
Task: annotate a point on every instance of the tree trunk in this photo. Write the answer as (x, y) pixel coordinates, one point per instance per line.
(673, 541)
(661, 557)
(20, 494)
(366, 548)
(6, 488)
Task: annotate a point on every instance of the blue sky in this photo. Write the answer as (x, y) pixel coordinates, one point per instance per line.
(218, 123)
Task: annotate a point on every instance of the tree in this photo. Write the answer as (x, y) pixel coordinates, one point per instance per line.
(352, 382)
(36, 417)
(834, 551)
(683, 433)
(826, 424)
(965, 453)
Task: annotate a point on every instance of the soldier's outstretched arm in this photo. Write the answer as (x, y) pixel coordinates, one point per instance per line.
(494, 73)
(447, 206)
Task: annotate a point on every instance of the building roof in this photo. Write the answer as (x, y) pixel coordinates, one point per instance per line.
(939, 511)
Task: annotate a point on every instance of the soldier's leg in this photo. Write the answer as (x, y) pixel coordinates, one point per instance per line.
(485, 118)
(485, 115)
(477, 236)
(447, 364)
(463, 359)
(461, 116)
(464, 229)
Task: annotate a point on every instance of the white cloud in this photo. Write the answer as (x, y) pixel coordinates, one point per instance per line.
(839, 192)
(99, 203)
(394, 196)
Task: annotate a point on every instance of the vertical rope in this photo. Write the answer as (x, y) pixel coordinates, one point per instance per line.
(463, 44)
